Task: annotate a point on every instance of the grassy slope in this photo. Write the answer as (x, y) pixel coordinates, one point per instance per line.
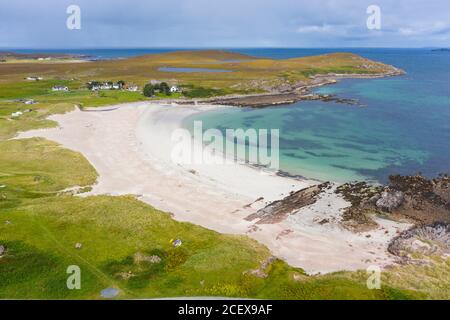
(45, 224)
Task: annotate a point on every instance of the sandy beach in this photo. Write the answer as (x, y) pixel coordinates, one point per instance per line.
(130, 145)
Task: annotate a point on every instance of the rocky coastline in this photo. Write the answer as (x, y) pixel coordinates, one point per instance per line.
(415, 198)
(288, 93)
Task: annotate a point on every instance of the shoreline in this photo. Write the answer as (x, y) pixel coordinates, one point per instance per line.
(129, 144)
(296, 92)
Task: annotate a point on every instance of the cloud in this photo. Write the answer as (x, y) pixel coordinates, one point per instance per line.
(438, 27)
(320, 29)
(223, 23)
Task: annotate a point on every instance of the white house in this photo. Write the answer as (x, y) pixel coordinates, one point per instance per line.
(33, 78)
(133, 88)
(60, 88)
(106, 86)
(174, 89)
(16, 114)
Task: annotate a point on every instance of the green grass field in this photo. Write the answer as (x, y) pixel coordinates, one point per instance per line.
(41, 221)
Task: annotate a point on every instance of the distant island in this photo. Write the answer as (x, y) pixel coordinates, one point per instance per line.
(442, 50)
(14, 57)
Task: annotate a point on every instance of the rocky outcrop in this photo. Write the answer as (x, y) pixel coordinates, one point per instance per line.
(414, 198)
(421, 242)
(390, 200)
(426, 201)
(279, 210)
(280, 98)
(363, 198)
(281, 91)
(261, 271)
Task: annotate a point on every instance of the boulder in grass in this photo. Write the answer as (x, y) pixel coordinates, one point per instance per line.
(109, 293)
(139, 257)
(2, 250)
(78, 246)
(390, 200)
(176, 243)
(154, 259)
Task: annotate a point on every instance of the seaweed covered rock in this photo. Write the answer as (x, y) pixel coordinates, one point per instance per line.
(362, 197)
(426, 201)
(415, 198)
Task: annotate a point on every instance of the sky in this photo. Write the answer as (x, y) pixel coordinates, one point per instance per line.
(224, 23)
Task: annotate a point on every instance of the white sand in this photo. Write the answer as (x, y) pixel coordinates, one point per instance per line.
(130, 148)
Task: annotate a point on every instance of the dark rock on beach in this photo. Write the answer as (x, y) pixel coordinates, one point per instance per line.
(279, 210)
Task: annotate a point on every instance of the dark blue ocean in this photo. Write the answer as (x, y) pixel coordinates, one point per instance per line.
(404, 128)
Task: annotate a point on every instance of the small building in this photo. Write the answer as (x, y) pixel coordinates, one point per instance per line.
(132, 88)
(60, 88)
(106, 86)
(95, 85)
(16, 114)
(129, 87)
(174, 89)
(33, 78)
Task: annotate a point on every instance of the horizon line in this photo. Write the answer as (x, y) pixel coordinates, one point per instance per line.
(212, 48)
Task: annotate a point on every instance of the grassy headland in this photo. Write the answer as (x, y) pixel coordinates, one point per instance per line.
(249, 75)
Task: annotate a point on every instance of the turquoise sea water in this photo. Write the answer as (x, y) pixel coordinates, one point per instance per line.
(404, 129)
